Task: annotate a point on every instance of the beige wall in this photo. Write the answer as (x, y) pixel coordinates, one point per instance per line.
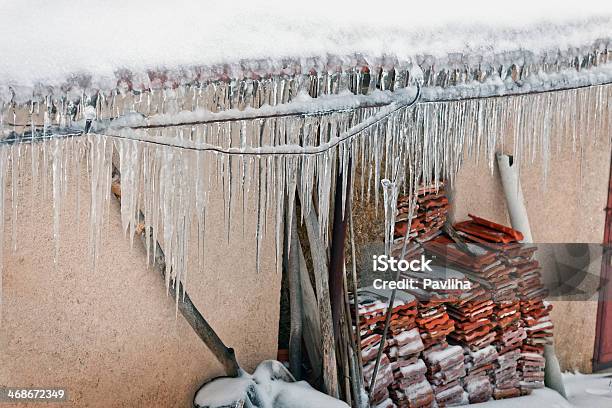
(111, 336)
(569, 209)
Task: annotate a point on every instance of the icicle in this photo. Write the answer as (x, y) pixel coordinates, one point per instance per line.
(390, 193)
(15, 161)
(260, 217)
(3, 166)
(57, 202)
(413, 145)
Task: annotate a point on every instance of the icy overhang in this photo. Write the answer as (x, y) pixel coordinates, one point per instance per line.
(61, 50)
(62, 65)
(67, 64)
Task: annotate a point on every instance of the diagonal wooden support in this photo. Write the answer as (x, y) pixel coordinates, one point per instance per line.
(225, 355)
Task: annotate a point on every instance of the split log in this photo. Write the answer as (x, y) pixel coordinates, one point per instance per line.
(311, 329)
(295, 297)
(319, 261)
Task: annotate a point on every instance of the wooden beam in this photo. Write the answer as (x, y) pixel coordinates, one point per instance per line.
(321, 271)
(190, 312)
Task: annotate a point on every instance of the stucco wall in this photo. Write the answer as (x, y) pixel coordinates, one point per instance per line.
(111, 336)
(569, 208)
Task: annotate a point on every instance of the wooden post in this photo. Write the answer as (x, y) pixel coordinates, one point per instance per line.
(295, 297)
(223, 354)
(336, 263)
(319, 261)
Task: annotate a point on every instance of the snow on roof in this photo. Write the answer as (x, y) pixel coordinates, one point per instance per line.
(46, 42)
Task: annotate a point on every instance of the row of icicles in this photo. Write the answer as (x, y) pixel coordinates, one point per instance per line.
(169, 190)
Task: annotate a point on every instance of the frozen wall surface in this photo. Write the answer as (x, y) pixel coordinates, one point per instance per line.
(111, 336)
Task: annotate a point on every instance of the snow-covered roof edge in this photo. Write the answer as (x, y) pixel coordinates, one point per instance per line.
(458, 68)
(193, 89)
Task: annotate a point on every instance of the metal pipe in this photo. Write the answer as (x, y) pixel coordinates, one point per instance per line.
(514, 196)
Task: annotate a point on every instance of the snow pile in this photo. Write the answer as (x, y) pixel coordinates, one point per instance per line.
(542, 398)
(583, 391)
(270, 386)
(592, 391)
(51, 41)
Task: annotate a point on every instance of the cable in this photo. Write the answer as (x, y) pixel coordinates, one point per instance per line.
(264, 150)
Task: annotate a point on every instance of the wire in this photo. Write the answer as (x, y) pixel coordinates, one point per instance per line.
(305, 151)
(274, 150)
(258, 151)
